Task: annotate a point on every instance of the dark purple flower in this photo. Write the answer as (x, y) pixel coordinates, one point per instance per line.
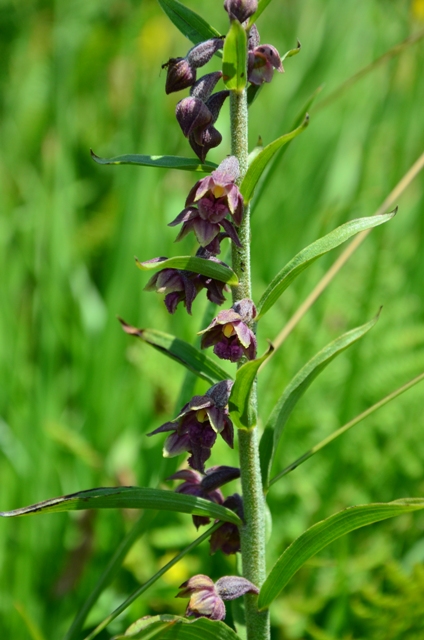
(261, 64)
(240, 10)
(209, 203)
(230, 334)
(262, 60)
(181, 72)
(177, 285)
(183, 286)
(207, 598)
(205, 486)
(195, 429)
(196, 117)
(227, 537)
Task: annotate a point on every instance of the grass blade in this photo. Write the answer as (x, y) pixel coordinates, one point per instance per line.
(128, 498)
(181, 351)
(346, 427)
(322, 534)
(309, 254)
(295, 390)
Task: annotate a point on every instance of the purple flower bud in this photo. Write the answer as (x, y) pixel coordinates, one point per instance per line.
(240, 10)
(192, 114)
(229, 334)
(203, 140)
(204, 598)
(227, 537)
(195, 429)
(232, 587)
(262, 61)
(254, 37)
(203, 88)
(180, 74)
(201, 53)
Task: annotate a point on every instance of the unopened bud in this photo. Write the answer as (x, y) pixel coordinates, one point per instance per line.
(192, 114)
(240, 10)
(201, 53)
(180, 74)
(203, 88)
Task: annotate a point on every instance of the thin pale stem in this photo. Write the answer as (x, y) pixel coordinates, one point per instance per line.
(253, 531)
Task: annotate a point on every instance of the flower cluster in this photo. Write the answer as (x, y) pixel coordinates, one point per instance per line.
(207, 598)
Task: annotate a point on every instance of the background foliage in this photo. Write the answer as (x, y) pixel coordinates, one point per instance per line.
(77, 395)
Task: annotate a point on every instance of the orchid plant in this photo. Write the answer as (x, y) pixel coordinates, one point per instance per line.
(217, 211)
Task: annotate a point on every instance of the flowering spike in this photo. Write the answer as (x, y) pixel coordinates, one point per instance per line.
(240, 10)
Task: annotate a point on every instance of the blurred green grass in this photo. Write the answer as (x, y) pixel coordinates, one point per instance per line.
(76, 395)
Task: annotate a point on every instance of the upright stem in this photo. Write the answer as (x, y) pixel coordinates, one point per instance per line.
(253, 531)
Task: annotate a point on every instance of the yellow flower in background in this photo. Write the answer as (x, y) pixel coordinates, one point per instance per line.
(418, 9)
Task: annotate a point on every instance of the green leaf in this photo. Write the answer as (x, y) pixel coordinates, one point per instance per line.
(295, 390)
(273, 165)
(262, 5)
(181, 351)
(191, 25)
(239, 401)
(292, 52)
(260, 163)
(208, 268)
(322, 534)
(234, 64)
(128, 498)
(160, 162)
(314, 251)
(169, 627)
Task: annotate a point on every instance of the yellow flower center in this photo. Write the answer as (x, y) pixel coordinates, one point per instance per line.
(228, 330)
(202, 415)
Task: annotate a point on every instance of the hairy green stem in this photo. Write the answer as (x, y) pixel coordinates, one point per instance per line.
(253, 531)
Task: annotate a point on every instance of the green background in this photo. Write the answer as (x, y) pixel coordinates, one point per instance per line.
(77, 395)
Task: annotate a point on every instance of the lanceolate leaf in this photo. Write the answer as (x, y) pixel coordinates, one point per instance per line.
(295, 390)
(160, 162)
(181, 351)
(129, 498)
(322, 534)
(208, 268)
(314, 251)
(260, 163)
(191, 25)
(167, 627)
(262, 5)
(239, 401)
(234, 62)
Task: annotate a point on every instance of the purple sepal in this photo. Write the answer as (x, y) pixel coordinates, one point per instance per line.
(240, 10)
